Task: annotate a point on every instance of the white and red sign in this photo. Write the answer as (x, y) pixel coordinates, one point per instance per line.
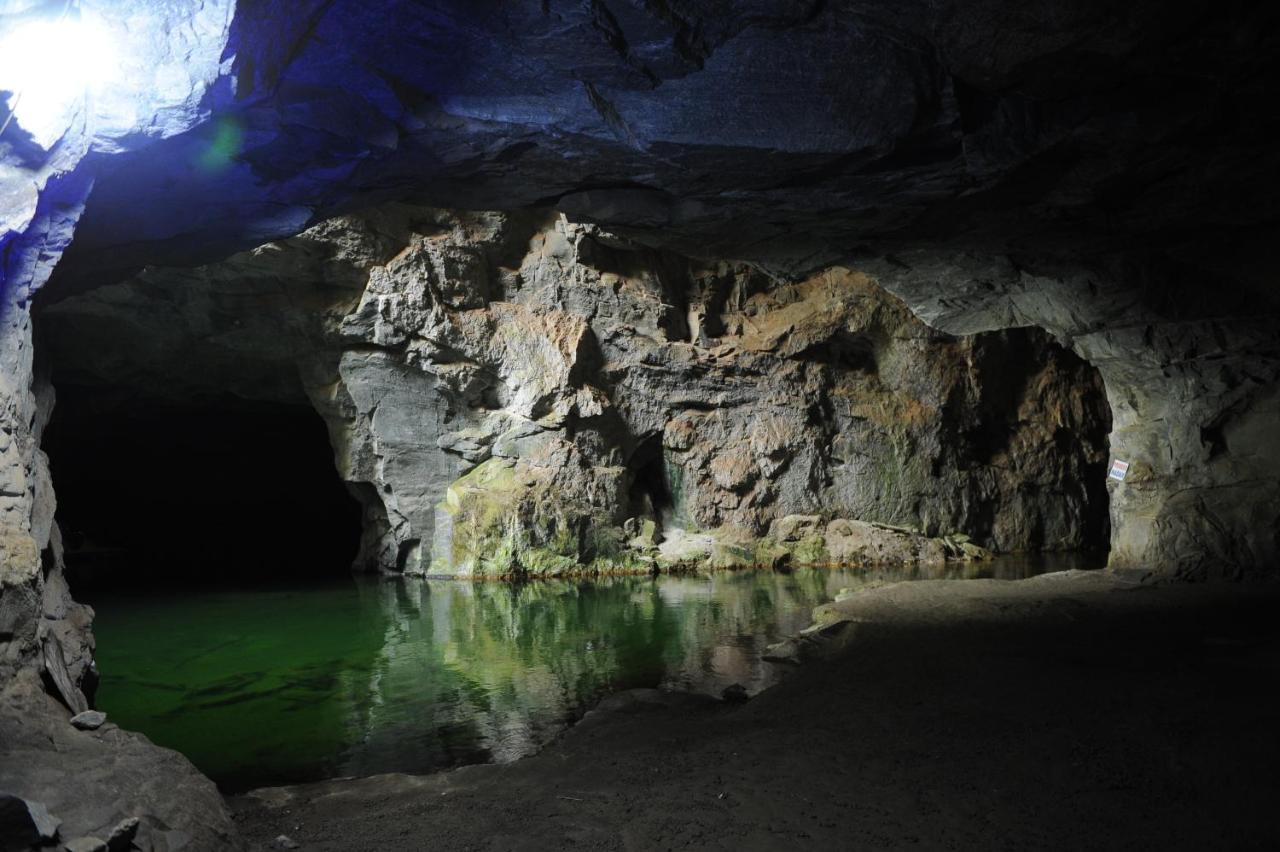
(1118, 470)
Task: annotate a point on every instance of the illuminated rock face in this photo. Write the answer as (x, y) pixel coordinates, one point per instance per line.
(520, 394)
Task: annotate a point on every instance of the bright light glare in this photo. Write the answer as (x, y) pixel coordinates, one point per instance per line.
(54, 64)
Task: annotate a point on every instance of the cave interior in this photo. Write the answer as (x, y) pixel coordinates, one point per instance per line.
(320, 324)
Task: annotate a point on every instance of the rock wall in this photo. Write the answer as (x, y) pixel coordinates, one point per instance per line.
(41, 627)
(511, 393)
(169, 54)
(1191, 363)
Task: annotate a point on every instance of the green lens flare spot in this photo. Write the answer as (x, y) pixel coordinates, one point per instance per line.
(223, 148)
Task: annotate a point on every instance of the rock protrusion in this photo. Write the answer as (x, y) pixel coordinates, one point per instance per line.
(25, 824)
(89, 720)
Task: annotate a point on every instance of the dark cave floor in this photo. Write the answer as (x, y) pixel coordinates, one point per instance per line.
(1068, 711)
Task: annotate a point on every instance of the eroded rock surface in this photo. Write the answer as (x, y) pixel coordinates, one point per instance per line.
(104, 783)
(522, 394)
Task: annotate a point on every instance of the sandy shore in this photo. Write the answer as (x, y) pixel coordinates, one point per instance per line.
(1068, 711)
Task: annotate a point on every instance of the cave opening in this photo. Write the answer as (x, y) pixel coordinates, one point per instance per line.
(212, 492)
(1041, 419)
(650, 495)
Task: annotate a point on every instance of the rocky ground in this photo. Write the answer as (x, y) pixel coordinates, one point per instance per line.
(1068, 711)
(90, 784)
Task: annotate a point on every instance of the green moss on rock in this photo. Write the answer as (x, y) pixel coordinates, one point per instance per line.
(810, 550)
(478, 511)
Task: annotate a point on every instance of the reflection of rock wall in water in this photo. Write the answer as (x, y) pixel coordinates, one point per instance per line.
(258, 687)
(516, 393)
(504, 667)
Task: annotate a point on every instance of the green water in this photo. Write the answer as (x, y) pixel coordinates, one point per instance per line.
(373, 675)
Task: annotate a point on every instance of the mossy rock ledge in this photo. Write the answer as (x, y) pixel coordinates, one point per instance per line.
(503, 520)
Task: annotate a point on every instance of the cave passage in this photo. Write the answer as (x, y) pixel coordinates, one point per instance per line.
(208, 492)
(650, 494)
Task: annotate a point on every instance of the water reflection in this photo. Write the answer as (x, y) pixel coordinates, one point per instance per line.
(413, 676)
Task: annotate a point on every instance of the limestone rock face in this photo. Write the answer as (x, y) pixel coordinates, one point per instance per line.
(522, 394)
(40, 625)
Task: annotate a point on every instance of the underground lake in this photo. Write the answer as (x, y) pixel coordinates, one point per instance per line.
(356, 677)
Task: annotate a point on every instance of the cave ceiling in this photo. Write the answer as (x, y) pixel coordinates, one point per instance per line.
(788, 132)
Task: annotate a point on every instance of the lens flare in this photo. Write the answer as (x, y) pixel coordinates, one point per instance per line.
(228, 137)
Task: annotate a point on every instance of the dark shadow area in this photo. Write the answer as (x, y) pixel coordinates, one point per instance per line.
(1034, 420)
(210, 492)
(650, 495)
(1021, 366)
(844, 350)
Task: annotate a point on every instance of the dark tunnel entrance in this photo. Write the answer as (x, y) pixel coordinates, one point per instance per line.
(650, 493)
(209, 492)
